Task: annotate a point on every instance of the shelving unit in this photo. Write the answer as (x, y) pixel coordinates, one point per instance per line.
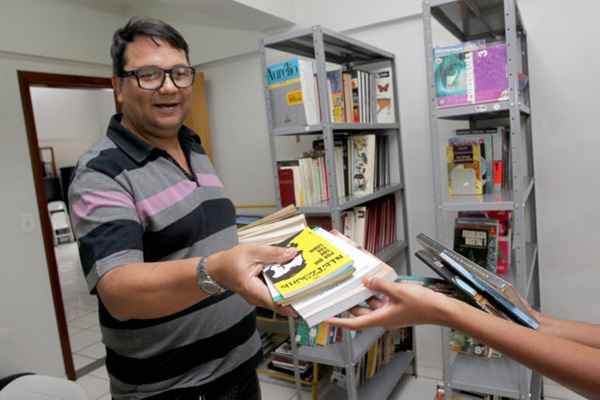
(325, 46)
(470, 20)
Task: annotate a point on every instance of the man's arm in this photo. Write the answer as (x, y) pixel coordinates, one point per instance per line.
(572, 364)
(154, 290)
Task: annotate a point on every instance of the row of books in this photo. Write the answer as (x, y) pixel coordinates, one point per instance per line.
(472, 73)
(355, 96)
(372, 226)
(318, 335)
(361, 162)
(477, 161)
(378, 355)
(485, 238)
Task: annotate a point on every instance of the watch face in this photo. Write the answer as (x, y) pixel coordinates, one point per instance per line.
(210, 287)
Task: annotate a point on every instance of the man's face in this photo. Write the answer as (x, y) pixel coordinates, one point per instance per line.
(161, 112)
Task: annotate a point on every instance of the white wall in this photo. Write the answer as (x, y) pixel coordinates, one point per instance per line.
(71, 133)
(28, 333)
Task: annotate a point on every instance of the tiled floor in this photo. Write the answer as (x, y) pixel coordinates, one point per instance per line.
(81, 308)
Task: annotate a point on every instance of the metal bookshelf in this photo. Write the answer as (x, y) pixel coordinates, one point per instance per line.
(325, 46)
(495, 20)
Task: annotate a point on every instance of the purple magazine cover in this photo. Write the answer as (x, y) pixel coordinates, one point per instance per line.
(491, 75)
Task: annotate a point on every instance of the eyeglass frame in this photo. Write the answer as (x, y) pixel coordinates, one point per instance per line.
(134, 72)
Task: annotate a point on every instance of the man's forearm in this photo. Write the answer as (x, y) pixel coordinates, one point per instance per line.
(150, 290)
(572, 364)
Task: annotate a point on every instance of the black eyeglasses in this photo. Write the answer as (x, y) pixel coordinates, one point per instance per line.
(153, 78)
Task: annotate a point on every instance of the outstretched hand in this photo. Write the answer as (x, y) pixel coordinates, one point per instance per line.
(403, 304)
(239, 269)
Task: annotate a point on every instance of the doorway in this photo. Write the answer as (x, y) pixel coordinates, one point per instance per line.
(64, 115)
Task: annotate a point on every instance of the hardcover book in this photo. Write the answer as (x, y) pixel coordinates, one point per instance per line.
(486, 289)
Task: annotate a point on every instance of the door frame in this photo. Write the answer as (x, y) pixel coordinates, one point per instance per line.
(27, 79)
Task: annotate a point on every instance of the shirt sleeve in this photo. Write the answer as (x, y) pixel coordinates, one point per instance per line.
(106, 223)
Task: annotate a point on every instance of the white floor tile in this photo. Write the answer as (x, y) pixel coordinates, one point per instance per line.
(275, 392)
(95, 351)
(85, 321)
(81, 361)
(84, 339)
(105, 397)
(100, 372)
(94, 387)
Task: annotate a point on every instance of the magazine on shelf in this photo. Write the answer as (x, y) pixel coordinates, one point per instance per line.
(490, 292)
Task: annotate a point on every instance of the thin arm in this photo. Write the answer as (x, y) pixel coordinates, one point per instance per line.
(572, 364)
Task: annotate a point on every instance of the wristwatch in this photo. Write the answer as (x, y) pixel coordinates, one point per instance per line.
(204, 281)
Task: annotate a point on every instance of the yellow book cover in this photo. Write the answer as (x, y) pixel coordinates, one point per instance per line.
(318, 260)
(464, 169)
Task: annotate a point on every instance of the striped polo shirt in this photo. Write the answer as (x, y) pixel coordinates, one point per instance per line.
(132, 203)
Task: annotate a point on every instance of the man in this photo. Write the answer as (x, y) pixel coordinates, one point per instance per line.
(157, 238)
(566, 351)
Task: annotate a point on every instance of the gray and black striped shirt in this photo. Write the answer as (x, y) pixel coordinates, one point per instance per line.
(131, 203)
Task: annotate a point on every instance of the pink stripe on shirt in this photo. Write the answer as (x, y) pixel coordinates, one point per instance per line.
(93, 200)
(210, 180)
(162, 200)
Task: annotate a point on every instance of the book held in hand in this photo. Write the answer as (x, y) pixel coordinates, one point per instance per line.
(486, 289)
(318, 263)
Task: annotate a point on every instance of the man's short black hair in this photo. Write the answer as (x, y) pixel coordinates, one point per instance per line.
(138, 26)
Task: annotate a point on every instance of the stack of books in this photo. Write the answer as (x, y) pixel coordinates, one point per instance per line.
(325, 277)
(273, 228)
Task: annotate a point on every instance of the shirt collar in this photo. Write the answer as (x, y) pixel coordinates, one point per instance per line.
(137, 148)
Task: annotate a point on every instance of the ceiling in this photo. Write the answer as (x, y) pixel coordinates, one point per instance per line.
(219, 13)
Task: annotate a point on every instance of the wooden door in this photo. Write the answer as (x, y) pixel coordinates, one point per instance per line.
(198, 118)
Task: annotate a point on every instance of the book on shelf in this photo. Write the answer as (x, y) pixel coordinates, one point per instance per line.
(464, 344)
(292, 93)
(384, 96)
(318, 264)
(494, 154)
(470, 73)
(464, 169)
(336, 96)
(372, 226)
(377, 356)
(485, 289)
(477, 240)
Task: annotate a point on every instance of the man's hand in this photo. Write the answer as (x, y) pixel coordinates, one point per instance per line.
(404, 304)
(238, 270)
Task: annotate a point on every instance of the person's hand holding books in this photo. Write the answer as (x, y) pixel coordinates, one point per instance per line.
(404, 304)
(239, 270)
